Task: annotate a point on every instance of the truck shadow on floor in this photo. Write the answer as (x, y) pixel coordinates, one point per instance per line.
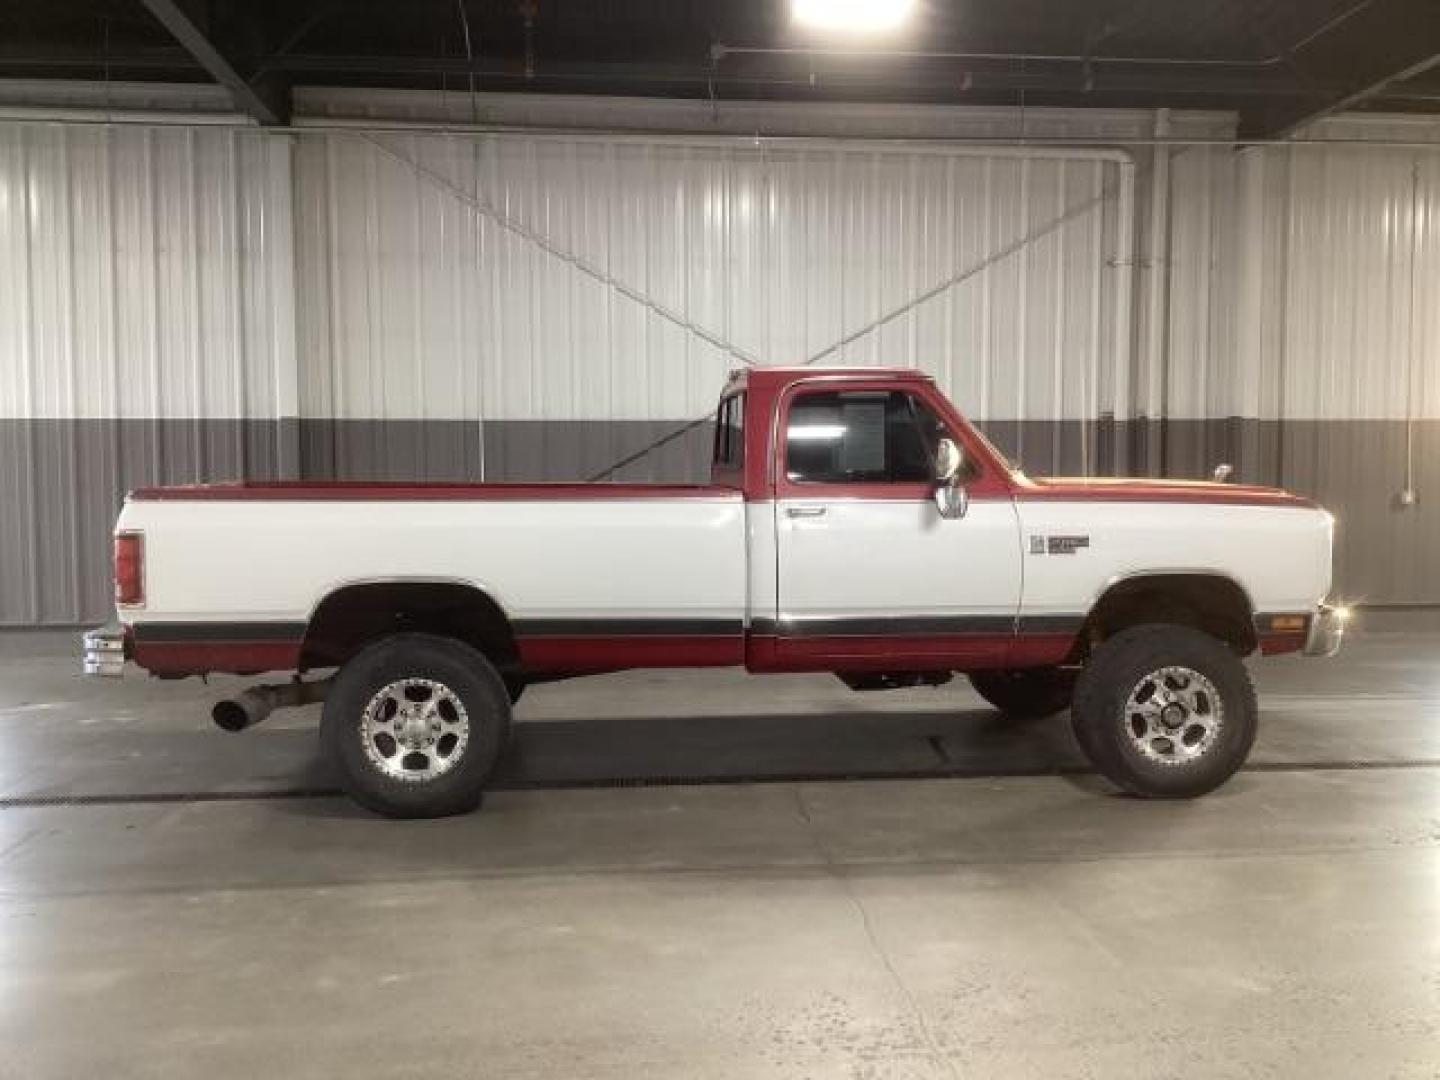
(607, 752)
(138, 763)
(753, 748)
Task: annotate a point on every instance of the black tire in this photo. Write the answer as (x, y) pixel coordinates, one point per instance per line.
(1026, 693)
(1134, 741)
(514, 687)
(376, 770)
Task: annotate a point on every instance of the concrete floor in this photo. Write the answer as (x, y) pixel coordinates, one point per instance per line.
(179, 902)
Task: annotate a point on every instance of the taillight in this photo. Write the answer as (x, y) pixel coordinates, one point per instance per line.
(130, 568)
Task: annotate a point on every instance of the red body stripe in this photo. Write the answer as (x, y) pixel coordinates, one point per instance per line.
(1110, 490)
(889, 652)
(343, 491)
(1039, 650)
(588, 654)
(198, 657)
(581, 654)
(959, 652)
(1157, 491)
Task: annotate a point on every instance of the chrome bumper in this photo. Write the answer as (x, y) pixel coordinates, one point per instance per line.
(1327, 629)
(104, 651)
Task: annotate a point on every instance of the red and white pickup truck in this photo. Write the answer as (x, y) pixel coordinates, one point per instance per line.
(854, 523)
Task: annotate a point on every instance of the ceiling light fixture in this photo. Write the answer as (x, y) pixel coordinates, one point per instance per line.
(856, 16)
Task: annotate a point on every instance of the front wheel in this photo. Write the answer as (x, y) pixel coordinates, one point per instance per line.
(415, 724)
(1165, 711)
(1026, 693)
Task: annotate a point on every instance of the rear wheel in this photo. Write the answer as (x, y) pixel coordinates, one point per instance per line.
(1026, 693)
(1165, 711)
(415, 724)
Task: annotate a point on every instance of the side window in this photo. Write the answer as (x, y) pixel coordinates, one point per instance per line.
(861, 436)
(730, 432)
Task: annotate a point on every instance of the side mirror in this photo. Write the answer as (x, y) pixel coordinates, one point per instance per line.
(951, 498)
(949, 459)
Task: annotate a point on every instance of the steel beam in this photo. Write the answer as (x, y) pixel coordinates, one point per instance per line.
(267, 105)
(1374, 47)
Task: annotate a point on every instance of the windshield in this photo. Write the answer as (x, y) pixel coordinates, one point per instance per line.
(1005, 463)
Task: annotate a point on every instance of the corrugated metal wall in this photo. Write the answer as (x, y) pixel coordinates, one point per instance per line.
(418, 303)
(146, 333)
(1300, 285)
(602, 284)
(213, 303)
(1299, 280)
(148, 273)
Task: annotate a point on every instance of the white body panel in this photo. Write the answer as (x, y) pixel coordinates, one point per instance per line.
(1279, 556)
(763, 571)
(850, 557)
(277, 559)
(712, 557)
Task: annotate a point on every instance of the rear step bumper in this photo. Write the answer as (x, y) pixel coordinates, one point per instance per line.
(104, 650)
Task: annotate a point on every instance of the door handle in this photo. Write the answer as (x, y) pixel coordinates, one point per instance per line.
(804, 511)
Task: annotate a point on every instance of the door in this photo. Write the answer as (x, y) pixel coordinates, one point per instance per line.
(870, 576)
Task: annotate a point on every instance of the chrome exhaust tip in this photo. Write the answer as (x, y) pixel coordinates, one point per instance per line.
(249, 707)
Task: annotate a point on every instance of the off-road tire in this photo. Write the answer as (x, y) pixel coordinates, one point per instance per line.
(1115, 734)
(367, 774)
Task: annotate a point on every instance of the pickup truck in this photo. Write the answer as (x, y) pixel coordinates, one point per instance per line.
(854, 523)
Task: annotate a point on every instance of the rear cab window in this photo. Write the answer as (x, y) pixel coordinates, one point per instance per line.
(727, 458)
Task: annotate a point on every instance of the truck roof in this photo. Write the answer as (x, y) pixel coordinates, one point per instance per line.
(780, 375)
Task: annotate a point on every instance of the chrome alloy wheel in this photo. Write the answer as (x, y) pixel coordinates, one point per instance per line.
(414, 729)
(1174, 715)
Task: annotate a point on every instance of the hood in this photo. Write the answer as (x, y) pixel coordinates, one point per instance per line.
(1130, 489)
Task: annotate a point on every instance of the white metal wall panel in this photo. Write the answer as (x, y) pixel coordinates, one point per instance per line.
(147, 273)
(1199, 320)
(1334, 319)
(1360, 238)
(418, 303)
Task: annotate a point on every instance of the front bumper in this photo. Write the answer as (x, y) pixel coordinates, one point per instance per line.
(104, 651)
(1327, 630)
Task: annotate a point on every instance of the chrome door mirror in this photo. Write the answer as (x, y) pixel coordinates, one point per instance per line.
(949, 459)
(951, 498)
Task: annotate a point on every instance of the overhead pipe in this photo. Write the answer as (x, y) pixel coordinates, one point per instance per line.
(719, 51)
(53, 114)
(1157, 322)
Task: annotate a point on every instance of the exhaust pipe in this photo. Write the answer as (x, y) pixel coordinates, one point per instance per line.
(248, 708)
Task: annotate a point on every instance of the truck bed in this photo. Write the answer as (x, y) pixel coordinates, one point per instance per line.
(586, 573)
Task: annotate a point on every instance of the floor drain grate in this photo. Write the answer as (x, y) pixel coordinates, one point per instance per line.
(22, 802)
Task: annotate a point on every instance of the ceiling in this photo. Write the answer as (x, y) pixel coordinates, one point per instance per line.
(1277, 63)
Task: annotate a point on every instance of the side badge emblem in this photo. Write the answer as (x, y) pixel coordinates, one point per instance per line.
(1057, 545)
